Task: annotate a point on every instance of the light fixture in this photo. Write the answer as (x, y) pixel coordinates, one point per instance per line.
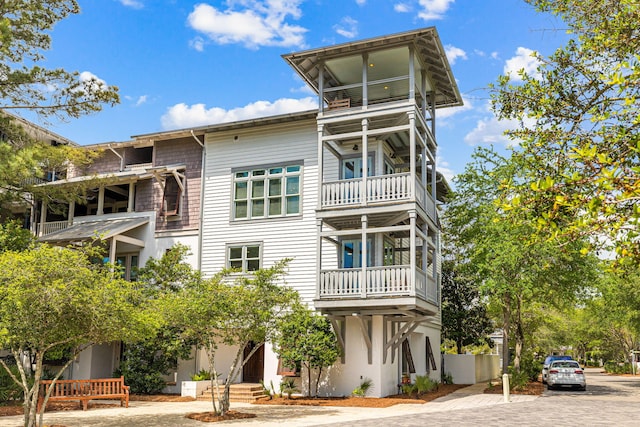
(386, 88)
(355, 147)
(371, 64)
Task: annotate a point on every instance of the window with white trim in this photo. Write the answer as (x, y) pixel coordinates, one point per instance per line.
(267, 192)
(244, 257)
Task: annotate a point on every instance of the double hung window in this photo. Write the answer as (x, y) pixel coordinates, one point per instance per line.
(267, 192)
(244, 257)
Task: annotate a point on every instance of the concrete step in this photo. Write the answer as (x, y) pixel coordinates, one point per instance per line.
(245, 393)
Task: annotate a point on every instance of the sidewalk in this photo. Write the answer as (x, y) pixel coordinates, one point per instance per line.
(172, 414)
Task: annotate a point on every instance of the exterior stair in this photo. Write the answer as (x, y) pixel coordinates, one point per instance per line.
(244, 392)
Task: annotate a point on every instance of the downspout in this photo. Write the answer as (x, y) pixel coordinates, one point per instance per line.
(202, 178)
(119, 156)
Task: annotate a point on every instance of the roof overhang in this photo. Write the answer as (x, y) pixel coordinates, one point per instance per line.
(102, 230)
(428, 48)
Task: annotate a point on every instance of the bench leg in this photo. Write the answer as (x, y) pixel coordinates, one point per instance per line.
(85, 404)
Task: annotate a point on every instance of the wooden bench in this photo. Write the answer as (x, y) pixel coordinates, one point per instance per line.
(338, 104)
(85, 390)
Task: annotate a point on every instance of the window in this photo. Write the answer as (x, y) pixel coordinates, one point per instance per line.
(352, 253)
(171, 197)
(352, 167)
(267, 193)
(244, 257)
(129, 265)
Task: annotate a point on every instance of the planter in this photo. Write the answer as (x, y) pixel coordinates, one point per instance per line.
(194, 388)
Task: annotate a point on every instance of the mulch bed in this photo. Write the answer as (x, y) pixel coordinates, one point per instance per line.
(362, 402)
(211, 417)
(534, 388)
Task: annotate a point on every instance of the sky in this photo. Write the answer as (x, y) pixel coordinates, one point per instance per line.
(180, 64)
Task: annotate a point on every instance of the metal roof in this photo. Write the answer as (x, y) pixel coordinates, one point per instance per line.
(428, 48)
(103, 230)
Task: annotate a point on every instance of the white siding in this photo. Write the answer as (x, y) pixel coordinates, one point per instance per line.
(291, 237)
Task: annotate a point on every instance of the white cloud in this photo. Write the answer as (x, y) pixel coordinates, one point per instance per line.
(134, 4)
(91, 82)
(444, 168)
(361, 2)
(433, 9)
(256, 23)
(524, 60)
(490, 130)
(453, 53)
(197, 43)
(446, 113)
(141, 100)
(348, 27)
(183, 115)
(402, 8)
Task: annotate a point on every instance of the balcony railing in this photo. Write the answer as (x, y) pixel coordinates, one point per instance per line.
(379, 282)
(384, 188)
(51, 227)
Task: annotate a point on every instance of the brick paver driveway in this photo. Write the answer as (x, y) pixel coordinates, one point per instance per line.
(608, 401)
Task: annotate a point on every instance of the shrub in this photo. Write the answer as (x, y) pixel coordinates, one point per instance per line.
(518, 380)
(9, 389)
(424, 384)
(288, 387)
(447, 378)
(363, 388)
(203, 375)
(618, 367)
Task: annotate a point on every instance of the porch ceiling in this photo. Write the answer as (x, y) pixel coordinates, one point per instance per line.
(427, 47)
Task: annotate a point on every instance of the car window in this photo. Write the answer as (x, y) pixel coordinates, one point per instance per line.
(565, 364)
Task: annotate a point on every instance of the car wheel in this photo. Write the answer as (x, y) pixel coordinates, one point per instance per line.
(583, 388)
(550, 387)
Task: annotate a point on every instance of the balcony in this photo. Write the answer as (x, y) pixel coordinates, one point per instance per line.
(379, 282)
(378, 190)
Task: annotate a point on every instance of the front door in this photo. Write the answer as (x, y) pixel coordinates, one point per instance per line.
(253, 370)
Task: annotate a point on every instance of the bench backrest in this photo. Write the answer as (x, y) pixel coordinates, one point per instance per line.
(92, 387)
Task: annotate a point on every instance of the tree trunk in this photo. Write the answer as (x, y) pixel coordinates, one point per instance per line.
(506, 324)
(318, 380)
(519, 335)
(459, 345)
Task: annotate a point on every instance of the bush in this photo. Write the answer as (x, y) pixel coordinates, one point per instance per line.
(618, 368)
(424, 384)
(363, 388)
(9, 390)
(530, 366)
(447, 378)
(203, 375)
(518, 380)
(288, 387)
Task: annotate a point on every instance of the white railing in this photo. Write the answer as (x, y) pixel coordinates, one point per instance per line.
(384, 281)
(389, 280)
(344, 282)
(420, 193)
(379, 189)
(51, 227)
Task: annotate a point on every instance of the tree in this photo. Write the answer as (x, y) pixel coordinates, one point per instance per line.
(464, 316)
(146, 362)
(306, 339)
(55, 299)
(15, 238)
(28, 86)
(223, 311)
(497, 248)
(580, 135)
(24, 35)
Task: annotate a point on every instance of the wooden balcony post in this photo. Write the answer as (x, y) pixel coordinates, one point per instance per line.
(364, 255)
(365, 161)
(412, 253)
(318, 257)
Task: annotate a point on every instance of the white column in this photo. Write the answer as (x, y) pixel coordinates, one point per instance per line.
(318, 257)
(365, 160)
(43, 217)
(365, 80)
(412, 74)
(412, 152)
(132, 195)
(320, 164)
(363, 255)
(412, 251)
(100, 210)
(72, 213)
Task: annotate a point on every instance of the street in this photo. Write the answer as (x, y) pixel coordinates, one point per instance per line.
(608, 400)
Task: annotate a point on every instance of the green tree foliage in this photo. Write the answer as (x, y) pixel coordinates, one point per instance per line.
(464, 315)
(26, 85)
(497, 248)
(580, 134)
(146, 363)
(15, 238)
(306, 339)
(54, 299)
(232, 310)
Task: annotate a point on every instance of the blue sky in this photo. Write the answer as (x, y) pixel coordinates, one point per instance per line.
(185, 63)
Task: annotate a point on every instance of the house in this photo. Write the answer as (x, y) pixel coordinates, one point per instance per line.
(143, 197)
(349, 192)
